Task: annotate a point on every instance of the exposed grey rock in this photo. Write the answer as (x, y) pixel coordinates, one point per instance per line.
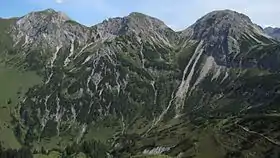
(222, 23)
(156, 151)
(48, 29)
(273, 32)
(223, 32)
(144, 26)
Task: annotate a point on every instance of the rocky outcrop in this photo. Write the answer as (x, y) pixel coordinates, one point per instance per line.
(273, 32)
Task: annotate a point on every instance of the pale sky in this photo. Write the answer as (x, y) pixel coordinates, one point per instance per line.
(178, 14)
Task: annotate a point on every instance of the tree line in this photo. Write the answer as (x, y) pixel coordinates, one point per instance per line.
(15, 153)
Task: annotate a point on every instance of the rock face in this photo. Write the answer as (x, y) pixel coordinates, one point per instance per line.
(273, 32)
(223, 33)
(218, 24)
(137, 77)
(49, 28)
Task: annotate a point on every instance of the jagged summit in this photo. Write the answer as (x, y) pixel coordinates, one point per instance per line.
(225, 16)
(224, 33)
(222, 23)
(145, 22)
(47, 14)
(140, 17)
(49, 10)
(47, 28)
(136, 22)
(139, 24)
(230, 14)
(137, 14)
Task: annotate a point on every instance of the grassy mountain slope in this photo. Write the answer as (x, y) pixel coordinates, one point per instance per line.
(14, 84)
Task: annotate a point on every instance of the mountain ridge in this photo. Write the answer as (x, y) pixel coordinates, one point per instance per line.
(273, 32)
(50, 10)
(53, 11)
(139, 80)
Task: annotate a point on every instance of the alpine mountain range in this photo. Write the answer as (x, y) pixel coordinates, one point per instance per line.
(140, 88)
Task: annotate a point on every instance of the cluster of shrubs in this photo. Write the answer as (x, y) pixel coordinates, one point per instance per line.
(15, 153)
(92, 149)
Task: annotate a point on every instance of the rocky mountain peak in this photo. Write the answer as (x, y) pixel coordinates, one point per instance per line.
(53, 13)
(229, 16)
(135, 22)
(40, 18)
(45, 16)
(138, 24)
(222, 23)
(145, 21)
(224, 33)
(273, 32)
(49, 27)
(50, 10)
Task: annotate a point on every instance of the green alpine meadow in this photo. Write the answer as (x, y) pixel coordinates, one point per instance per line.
(131, 87)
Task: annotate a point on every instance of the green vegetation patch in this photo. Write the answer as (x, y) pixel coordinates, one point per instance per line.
(13, 85)
(52, 154)
(151, 156)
